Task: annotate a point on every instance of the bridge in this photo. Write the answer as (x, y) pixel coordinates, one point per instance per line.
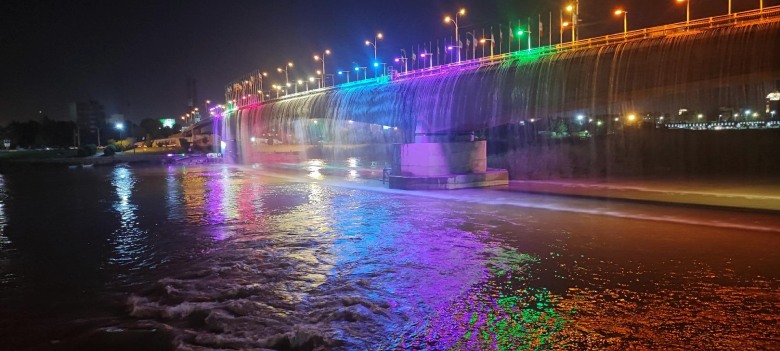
(696, 68)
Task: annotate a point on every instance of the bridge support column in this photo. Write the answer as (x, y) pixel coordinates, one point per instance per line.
(443, 161)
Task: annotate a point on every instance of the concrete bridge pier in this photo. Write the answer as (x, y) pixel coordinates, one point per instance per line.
(450, 160)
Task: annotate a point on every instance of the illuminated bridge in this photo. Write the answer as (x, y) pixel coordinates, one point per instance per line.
(702, 67)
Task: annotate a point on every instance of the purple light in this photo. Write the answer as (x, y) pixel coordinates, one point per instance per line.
(422, 55)
(396, 60)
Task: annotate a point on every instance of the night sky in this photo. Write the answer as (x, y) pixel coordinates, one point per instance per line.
(134, 56)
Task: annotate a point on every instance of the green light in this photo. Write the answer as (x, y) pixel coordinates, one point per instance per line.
(520, 32)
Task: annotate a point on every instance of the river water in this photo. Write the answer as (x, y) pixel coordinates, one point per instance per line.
(229, 257)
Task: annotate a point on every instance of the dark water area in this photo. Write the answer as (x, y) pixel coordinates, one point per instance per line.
(228, 257)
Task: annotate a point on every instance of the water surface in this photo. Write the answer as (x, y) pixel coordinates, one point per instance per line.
(228, 257)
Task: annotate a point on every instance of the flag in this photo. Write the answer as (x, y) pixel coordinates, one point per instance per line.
(511, 35)
(414, 56)
(541, 26)
(500, 33)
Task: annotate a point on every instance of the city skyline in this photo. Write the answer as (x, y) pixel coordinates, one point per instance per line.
(135, 58)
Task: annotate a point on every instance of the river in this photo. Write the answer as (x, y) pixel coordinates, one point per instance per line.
(231, 257)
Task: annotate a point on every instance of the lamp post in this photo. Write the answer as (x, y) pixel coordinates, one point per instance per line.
(625, 19)
(570, 9)
(120, 127)
(454, 20)
(347, 72)
(687, 11)
(286, 76)
(322, 58)
(492, 44)
(358, 68)
(384, 66)
(520, 34)
(401, 59)
(426, 55)
(376, 37)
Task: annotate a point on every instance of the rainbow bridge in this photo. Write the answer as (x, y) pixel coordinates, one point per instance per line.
(431, 125)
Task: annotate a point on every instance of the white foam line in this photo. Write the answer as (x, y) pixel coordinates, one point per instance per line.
(452, 195)
(648, 190)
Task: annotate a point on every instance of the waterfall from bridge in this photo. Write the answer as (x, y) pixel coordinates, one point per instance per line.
(703, 72)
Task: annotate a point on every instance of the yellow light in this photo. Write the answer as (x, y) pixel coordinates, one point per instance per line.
(482, 41)
(569, 8)
(446, 20)
(327, 52)
(379, 35)
(619, 12)
(368, 42)
(316, 57)
(565, 24)
(631, 117)
(290, 64)
(462, 12)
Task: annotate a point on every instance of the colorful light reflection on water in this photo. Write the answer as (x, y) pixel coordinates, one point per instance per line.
(224, 257)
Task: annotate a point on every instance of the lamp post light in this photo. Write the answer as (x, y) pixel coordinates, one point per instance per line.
(403, 60)
(570, 9)
(384, 67)
(492, 44)
(454, 20)
(358, 68)
(687, 11)
(286, 76)
(563, 25)
(120, 127)
(520, 34)
(426, 55)
(347, 72)
(625, 19)
(322, 58)
(376, 37)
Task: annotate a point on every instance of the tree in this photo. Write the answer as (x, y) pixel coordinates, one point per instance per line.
(152, 128)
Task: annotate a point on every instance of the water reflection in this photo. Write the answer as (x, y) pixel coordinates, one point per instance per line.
(129, 240)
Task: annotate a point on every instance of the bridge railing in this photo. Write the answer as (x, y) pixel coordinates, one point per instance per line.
(768, 14)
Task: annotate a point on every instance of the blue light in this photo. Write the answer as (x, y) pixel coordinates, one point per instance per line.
(376, 64)
(340, 72)
(357, 68)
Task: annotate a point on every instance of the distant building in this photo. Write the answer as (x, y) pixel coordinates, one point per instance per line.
(90, 120)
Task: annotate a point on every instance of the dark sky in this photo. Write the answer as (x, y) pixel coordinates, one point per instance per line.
(134, 56)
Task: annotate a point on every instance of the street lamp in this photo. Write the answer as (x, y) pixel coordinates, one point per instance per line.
(286, 76)
(120, 127)
(424, 55)
(625, 19)
(376, 37)
(492, 44)
(358, 68)
(322, 58)
(520, 33)
(570, 9)
(347, 72)
(454, 20)
(384, 66)
(687, 11)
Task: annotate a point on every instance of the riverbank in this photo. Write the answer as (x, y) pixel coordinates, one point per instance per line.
(757, 194)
